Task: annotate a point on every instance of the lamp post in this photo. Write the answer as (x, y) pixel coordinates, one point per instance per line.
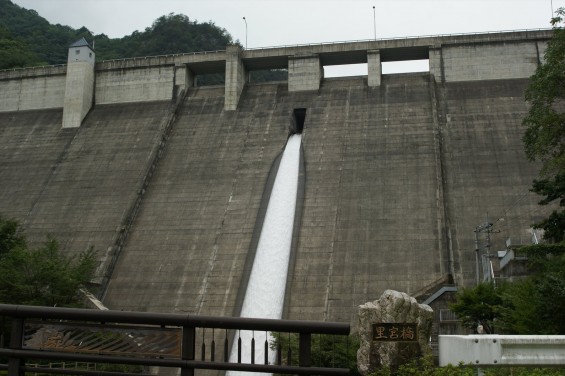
(245, 32)
(375, 22)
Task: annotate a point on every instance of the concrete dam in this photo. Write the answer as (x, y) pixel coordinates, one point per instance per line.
(169, 181)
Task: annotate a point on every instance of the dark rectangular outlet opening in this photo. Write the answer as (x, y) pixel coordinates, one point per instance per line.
(299, 117)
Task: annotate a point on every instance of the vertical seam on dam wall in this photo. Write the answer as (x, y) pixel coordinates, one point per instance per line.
(444, 227)
(337, 216)
(127, 222)
(441, 65)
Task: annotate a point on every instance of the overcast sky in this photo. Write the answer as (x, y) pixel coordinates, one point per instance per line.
(289, 22)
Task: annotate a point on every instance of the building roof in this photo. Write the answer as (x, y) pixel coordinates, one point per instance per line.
(81, 43)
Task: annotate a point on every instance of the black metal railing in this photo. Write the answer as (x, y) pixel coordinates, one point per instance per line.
(152, 339)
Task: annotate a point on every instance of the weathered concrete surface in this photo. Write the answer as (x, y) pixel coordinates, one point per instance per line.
(203, 205)
(485, 167)
(371, 174)
(77, 185)
(305, 72)
(135, 85)
(397, 178)
(493, 61)
(32, 89)
(378, 210)
(32, 143)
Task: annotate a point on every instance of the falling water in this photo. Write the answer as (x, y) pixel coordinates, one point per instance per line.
(264, 296)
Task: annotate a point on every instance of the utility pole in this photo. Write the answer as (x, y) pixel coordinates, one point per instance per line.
(487, 229)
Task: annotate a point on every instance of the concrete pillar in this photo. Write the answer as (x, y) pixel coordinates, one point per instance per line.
(304, 73)
(189, 78)
(435, 62)
(184, 77)
(79, 85)
(236, 76)
(374, 67)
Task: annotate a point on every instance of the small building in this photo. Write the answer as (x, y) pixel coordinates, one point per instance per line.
(81, 50)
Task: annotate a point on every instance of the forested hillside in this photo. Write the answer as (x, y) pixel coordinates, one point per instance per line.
(27, 39)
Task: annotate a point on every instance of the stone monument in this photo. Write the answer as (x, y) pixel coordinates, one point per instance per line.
(393, 330)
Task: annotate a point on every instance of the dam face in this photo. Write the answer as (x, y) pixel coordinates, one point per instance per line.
(168, 187)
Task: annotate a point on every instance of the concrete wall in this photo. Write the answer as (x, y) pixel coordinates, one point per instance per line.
(393, 193)
(32, 89)
(489, 62)
(80, 185)
(397, 177)
(486, 170)
(203, 204)
(304, 73)
(371, 216)
(26, 166)
(134, 85)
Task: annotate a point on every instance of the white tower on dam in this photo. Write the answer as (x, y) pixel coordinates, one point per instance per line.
(79, 87)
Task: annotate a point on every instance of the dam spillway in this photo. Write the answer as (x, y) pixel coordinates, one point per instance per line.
(168, 190)
(265, 291)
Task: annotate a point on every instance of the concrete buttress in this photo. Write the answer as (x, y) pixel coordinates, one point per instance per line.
(236, 76)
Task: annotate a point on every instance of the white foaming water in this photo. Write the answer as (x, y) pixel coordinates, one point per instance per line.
(265, 292)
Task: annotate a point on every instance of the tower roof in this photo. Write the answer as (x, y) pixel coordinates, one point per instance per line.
(81, 43)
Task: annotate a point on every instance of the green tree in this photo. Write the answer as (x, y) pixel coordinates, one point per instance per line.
(518, 312)
(534, 305)
(477, 306)
(544, 138)
(34, 41)
(11, 236)
(15, 53)
(42, 276)
(327, 350)
(547, 292)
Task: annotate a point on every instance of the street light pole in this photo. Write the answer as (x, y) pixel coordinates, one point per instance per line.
(375, 22)
(245, 32)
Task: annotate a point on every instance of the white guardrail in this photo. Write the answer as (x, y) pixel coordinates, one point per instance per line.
(488, 350)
